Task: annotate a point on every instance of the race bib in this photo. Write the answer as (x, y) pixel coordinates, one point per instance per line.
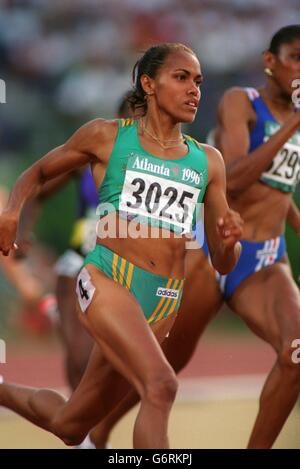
(85, 289)
(165, 201)
(284, 172)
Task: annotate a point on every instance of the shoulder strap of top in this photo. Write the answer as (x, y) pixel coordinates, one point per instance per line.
(252, 93)
(126, 122)
(192, 140)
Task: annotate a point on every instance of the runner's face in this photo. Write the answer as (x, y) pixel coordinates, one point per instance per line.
(177, 86)
(286, 66)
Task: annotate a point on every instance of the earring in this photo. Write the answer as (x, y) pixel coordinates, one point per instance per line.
(268, 72)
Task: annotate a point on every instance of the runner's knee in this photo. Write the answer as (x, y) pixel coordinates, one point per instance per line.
(69, 433)
(161, 387)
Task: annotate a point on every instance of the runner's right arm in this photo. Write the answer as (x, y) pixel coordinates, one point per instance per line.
(84, 147)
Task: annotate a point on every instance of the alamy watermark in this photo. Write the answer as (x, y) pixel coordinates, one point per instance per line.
(150, 224)
(2, 91)
(2, 351)
(296, 353)
(296, 93)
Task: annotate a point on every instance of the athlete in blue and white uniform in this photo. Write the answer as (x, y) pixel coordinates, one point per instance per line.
(258, 134)
(283, 175)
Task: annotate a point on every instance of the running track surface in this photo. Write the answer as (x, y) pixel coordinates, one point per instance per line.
(215, 408)
(41, 364)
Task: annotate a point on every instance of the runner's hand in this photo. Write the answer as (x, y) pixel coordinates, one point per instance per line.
(230, 228)
(8, 233)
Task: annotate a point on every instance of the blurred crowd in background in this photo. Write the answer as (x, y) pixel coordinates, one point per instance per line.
(73, 58)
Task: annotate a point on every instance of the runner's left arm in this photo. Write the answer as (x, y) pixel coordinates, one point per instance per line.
(223, 226)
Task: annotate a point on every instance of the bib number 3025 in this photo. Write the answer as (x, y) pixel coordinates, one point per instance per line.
(160, 199)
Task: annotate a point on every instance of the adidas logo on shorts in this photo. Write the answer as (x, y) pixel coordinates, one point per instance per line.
(168, 292)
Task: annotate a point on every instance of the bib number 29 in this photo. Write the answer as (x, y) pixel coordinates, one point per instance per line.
(288, 164)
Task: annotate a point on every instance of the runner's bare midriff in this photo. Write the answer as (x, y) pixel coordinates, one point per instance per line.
(161, 255)
(264, 211)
